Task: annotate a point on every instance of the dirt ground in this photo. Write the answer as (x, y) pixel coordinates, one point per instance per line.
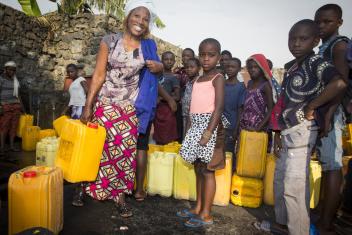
(155, 215)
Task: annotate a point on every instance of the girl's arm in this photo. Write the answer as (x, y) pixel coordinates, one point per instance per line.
(268, 95)
(85, 86)
(168, 98)
(219, 86)
(97, 81)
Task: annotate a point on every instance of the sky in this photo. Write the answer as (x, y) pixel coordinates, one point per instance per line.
(242, 27)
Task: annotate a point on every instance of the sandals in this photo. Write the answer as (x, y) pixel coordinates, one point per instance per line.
(123, 210)
(185, 213)
(197, 222)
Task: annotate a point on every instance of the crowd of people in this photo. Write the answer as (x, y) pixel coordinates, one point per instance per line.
(204, 106)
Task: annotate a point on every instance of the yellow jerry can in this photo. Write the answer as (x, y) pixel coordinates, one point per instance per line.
(80, 150)
(46, 151)
(223, 183)
(345, 160)
(46, 133)
(36, 199)
(154, 147)
(25, 120)
(160, 173)
(269, 180)
(314, 182)
(252, 153)
(30, 137)
(59, 123)
(247, 192)
(184, 180)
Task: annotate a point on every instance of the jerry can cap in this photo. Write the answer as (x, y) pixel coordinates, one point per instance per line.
(92, 125)
(29, 174)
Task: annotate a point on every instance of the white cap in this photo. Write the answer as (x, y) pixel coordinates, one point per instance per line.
(10, 64)
(133, 4)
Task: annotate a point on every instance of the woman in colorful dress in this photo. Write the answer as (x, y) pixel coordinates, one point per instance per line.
(122, 98)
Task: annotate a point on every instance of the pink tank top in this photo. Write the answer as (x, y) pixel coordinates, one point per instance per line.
(203, 97)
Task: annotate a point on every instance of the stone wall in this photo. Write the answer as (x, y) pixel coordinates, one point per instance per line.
(43, 47)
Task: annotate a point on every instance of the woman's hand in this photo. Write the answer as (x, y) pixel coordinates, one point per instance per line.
(154, 66)
(87, 114)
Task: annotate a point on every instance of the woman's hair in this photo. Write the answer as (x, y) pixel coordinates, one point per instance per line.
(125, 24)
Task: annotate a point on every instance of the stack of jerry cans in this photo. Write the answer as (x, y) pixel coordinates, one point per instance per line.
(30, 137)
(246, 191)
(25, 120)
(80, 150)
(223, 182)
(160, 171)
(184, 180)
(36, 199)
(250, 169)
(46, 151)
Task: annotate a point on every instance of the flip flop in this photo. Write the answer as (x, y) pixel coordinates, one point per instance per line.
(197, 222)
(185, 213)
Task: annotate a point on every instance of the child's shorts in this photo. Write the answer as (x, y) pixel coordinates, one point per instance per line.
(143, 139)
(329, 149)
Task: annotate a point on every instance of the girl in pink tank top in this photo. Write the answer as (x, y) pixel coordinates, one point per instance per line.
(203, 145)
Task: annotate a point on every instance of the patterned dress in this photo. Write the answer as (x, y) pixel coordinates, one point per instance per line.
(254, 108)
(115, 111)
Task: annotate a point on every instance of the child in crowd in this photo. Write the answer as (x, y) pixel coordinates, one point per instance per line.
(192, 69)
(225, 57)
(309, 83)
(165, 128)
(203, 144)
(78, 91)
(187, 54)
(329, 147)
(234, 98)
(10, 106)
(259, 98)
(275, 85)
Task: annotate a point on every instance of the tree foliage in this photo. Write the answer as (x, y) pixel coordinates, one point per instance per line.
(72, 7)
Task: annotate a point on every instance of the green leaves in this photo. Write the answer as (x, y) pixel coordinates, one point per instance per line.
(30, 7)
